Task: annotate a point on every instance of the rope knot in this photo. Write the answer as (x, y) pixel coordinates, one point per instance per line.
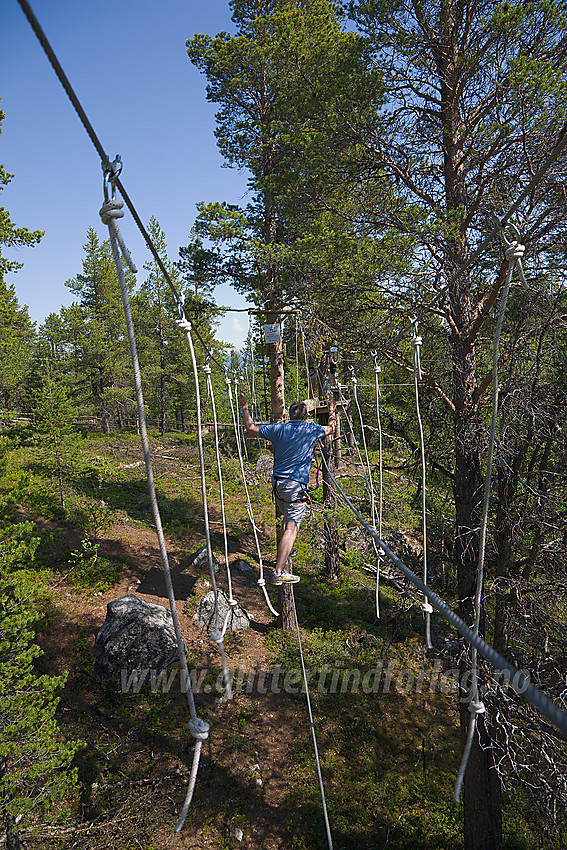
(262, 582)
(199, 729)
(184, 325)
(515, 251)
(207, 369)
(417, 341)
(111, 210)
(476, 707)
(427, 607)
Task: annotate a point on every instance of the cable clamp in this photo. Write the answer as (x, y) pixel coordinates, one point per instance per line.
(216, 636)
(427, 607)
(184, 325)
(199, 729)
(111, 175)
(477, 707)
(180, 304)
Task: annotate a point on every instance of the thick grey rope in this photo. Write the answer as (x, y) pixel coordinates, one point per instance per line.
(232, 602)
(377, 371)
(261, 580)
(416, 345)
(199, 729)
(519, 681)
(312, 726)
(216, 634)
(514, 254)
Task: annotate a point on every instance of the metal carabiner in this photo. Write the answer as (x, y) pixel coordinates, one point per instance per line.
(111, 174)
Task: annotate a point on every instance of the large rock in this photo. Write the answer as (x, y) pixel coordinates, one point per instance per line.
(238, 618)
(136, 635)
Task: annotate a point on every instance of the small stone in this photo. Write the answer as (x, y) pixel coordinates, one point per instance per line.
(238, 618)
(238, 834)
(201, 559)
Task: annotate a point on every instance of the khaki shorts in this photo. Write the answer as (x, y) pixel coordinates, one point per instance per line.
(286, 493)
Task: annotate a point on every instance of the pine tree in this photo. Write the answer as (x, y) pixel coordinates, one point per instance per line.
(34, 760)
(96, 335)
(17, 331)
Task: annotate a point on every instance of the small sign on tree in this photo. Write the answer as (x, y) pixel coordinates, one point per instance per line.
(273, 333)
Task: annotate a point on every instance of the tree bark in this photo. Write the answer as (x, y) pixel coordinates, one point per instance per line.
(286, 620)
(330, 531)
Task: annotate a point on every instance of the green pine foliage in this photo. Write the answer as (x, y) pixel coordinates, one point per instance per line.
(34, 758)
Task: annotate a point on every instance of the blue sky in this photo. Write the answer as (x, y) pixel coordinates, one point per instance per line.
(128, 65)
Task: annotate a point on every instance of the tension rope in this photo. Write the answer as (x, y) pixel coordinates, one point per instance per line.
(110, 212)
(231, 601)
(416, 343)
(519, 681)
(312, 726)
(261, 580)
(514, 253)
(377, 370)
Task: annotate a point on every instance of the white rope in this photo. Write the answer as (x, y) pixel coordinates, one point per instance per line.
(514, 254)
(377, 370)
(296, 363)
(312, 726)
(232, 602)
(416, 344)
(369, 470)
(261, 580)
(110, 212)
(215, 635)
(192, 779)
(370, 481)
(306, 358)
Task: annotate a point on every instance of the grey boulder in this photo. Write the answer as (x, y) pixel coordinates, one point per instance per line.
(136, 635)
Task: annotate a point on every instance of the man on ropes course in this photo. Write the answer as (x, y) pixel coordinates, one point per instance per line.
(293, 443)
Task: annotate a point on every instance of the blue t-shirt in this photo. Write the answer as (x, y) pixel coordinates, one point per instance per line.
(293, 444)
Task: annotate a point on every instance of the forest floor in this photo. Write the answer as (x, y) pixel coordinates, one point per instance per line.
(389, 744)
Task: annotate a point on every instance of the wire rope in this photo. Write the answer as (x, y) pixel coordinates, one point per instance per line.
(243, 443)
(514, 254)
(416, 345)
(261, 580)
(377, 370)
(111, 210)
(216, 634)
(518, 680)
(296, 362)
(231, 601)
(365, 446)
(312, 727)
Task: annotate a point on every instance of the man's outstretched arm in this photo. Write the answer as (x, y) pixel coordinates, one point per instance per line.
(247, 420)
(332, 421)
